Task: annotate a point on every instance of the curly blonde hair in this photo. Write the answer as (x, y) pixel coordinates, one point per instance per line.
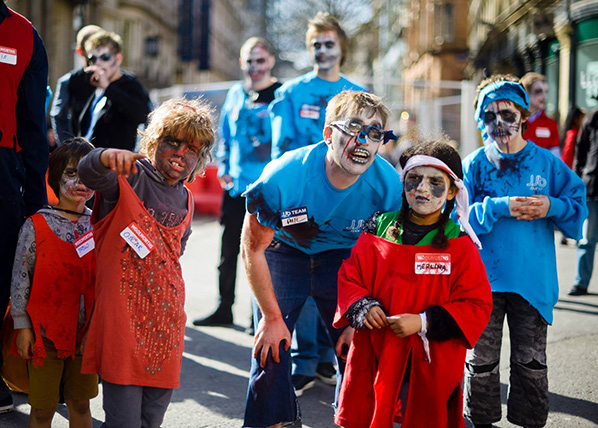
(187, 119)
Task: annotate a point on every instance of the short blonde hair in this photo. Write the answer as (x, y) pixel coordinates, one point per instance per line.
(254, 42)
(104, 38)
(353, 103)
(528, 80)
(188, 119)
(323, 22)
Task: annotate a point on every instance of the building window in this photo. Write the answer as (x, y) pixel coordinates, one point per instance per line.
(444, 27)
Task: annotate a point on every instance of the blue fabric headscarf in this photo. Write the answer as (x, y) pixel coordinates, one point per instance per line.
(495, 91)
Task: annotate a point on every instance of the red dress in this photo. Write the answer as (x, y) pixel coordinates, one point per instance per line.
(60, 278)
(136, 335)
(377, 358)
(568, 154)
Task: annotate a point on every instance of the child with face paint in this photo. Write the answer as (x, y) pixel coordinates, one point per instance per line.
(416, 292)
(519, 193)
(52, 293)
(142, 219)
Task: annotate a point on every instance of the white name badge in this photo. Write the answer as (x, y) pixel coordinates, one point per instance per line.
(85, 244)
(432, 264)
(137, 240)
(310, 112)
(8, 55)
(542, 132)
(293, 216)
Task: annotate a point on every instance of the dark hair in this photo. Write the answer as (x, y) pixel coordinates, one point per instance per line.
(71, 151)
(573, 119)
(447, 154)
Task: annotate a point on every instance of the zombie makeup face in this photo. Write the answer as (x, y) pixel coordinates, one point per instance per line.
(347, 152)
(502, 122)
(257, 64)
(103, 58)
(325, 50)
(72, 191)
(537, 96)
(427, 189)
(175, 158)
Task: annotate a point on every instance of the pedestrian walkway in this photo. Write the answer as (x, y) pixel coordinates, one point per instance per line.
(216, 360)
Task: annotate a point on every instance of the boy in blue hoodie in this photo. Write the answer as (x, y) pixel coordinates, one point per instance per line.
(518, 193)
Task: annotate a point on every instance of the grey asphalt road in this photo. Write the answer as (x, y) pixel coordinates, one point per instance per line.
(216, 360)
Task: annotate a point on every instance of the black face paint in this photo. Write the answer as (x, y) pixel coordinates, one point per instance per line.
(437, 184)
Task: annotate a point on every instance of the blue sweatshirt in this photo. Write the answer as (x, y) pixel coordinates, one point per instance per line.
(299, 111)
(520, 255)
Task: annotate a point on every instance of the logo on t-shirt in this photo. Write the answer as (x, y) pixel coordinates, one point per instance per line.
(536, 183)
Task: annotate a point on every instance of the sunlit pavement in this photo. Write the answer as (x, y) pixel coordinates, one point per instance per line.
(216, 360)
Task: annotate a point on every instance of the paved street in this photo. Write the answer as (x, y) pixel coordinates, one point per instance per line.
(216, 360)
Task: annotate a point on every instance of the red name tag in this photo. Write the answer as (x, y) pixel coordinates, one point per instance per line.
(137, 240)
(432, 264)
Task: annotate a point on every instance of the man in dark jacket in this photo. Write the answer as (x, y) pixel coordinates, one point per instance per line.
(119, 103)
(73, 89)
(586, 166)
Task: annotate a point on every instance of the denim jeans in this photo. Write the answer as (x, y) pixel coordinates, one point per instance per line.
(311, 343)
(587, 247)
(295, 276)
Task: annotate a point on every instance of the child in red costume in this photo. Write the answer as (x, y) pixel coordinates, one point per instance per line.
(142, 219)
(52, 293)
(416, 291)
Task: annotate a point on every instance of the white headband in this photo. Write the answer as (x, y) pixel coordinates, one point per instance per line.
(462, 198)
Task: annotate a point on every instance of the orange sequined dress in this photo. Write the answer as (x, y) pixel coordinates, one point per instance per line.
(136, 335)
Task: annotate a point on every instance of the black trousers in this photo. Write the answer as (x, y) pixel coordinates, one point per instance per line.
(233, 213)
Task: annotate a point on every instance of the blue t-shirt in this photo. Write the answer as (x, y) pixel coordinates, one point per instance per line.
(299, 111)
(246, 138)
(519, 255)
(294, 197)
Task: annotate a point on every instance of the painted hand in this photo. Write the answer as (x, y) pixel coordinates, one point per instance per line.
(268, 336)
(120, 161)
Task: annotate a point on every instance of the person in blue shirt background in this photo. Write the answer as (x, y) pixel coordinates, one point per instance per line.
(298, 114)
(518, 193)
(245, 146)
(304, 214)
(299, 110)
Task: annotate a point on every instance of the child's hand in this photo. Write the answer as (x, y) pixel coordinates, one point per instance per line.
(404, 325)
(529, 207)
(375, 318)
(25, 341)
(344, 342)
(120, 161)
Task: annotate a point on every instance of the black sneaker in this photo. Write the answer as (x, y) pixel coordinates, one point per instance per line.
(576, 290)
(326, 373)
(6, 404)
(216, 319)
(302, 383)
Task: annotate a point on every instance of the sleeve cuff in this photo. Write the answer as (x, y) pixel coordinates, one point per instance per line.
(21, 321)
(557, 207)
(501, 206)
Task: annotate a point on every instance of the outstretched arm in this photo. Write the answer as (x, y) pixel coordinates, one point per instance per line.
(272, 329)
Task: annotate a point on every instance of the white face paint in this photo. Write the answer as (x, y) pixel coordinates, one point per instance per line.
(537, 96)
(72, 191)
(502, 122)
(257, 64)
(426, 189)
(107, 62)
(347, 153)
(325, 50)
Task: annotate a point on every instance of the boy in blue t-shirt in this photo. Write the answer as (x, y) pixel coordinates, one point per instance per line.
(518, 193)
(305, 212)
